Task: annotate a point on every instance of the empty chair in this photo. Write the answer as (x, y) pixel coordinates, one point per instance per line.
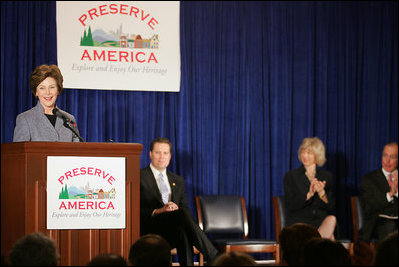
(279, 215)
(358, 221)
(224, 219)
(357, 217)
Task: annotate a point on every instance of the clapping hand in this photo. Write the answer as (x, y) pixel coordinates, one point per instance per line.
(319, 187)
(394, 183)
(316, 186)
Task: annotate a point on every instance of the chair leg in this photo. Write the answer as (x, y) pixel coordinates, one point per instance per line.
(277, 254)
(201, 259)
(200, 256)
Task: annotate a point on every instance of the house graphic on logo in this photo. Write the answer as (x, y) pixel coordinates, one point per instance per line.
(100, 38)
(86, 193)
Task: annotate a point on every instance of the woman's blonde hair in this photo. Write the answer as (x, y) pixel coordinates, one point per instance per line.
(315, 145)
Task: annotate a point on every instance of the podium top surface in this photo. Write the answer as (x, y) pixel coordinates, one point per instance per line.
(72, 148)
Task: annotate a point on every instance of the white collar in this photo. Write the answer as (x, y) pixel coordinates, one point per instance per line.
(388, 173)
(156, 172)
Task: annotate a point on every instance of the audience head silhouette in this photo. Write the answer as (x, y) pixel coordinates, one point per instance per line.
(150, 250)
(234, 258)
(292, 242)
(108, 259)
(326, 252)
(386, 253)
(34, 249)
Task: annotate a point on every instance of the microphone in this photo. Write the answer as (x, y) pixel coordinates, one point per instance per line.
(67, 120)
(60, 114)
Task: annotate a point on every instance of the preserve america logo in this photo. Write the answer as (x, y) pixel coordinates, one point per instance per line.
(119, 45)
(117, 38)
(85, 192)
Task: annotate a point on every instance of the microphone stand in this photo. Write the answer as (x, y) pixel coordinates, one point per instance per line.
(73, 130)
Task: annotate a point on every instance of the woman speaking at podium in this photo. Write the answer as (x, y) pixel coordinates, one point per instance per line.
(45, 122)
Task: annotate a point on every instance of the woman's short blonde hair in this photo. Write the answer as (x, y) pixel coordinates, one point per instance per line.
(315, 145)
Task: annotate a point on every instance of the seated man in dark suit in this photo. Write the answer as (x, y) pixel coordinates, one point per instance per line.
(379, 196)
(164, 208)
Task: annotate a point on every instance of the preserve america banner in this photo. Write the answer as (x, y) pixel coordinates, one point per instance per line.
(119, 45)
(86, 192)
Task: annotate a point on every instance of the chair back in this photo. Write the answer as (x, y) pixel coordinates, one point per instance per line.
(280, 217)
(357, 217)
(222, 214)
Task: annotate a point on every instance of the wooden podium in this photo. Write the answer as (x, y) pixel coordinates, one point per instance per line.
(23, 198)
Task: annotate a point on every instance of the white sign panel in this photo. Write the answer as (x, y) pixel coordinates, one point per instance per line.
(86, 193)
(122, 45)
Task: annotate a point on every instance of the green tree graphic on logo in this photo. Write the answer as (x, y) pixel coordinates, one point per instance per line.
(64, 193)
(87, 40)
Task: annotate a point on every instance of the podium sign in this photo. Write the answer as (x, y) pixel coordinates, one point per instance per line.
(86, 192)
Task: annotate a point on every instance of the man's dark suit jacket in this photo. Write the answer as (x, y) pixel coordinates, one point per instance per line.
(150, 196)
(314, 210)
(373, 194)
(177, 227)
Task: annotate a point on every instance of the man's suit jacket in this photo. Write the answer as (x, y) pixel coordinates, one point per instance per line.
(33, 125)
(314, 210)
(150, 196)
(373, 188)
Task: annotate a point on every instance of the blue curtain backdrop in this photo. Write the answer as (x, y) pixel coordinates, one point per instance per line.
(257, 78)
